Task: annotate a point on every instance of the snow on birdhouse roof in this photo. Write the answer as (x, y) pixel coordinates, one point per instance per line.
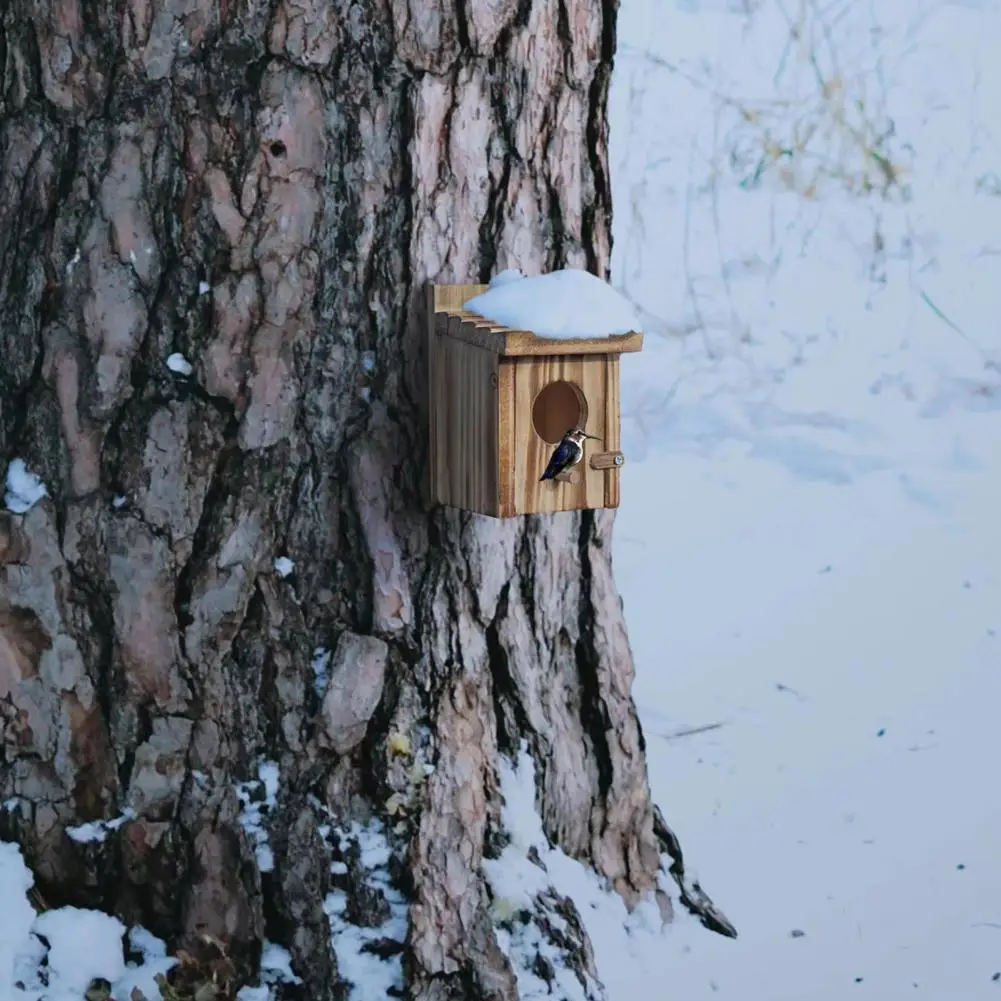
(568, 304)
(564, 312)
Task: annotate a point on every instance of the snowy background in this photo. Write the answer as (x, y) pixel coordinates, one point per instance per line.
(808, 206)
(808, 211)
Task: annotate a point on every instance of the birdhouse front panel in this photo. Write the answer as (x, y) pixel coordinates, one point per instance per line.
(550, 396)
(502, 403)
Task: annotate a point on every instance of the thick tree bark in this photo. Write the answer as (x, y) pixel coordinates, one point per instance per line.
(313, 163)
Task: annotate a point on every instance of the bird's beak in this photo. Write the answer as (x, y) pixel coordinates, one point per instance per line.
(593, 437)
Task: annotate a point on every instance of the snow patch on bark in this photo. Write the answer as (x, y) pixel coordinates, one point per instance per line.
(24, 489)
(97, 830)
(284, 567)
(367, 936)
(276, 969)
(549, 954)
(17, 914)
(56, 955)
(179, 364)
(276, 964)
(548, 908)
(259, 797)
(320, 662)
(83, 945)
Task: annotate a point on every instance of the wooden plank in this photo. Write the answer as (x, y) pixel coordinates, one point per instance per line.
(531, 452)
(463, 413)
(468, 473)
(594, 385)
(613, 428)
(451, 298)
(483, 337)
(506, 436)
(522, 343)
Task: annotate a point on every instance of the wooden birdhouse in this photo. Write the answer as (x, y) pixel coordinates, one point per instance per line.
(500, 401)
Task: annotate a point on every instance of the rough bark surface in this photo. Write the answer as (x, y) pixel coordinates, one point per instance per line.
(264, 188)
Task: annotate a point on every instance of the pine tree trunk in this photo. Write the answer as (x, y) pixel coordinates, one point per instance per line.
(264, 189)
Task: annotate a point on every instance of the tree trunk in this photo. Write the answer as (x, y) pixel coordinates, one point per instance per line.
(264, 189)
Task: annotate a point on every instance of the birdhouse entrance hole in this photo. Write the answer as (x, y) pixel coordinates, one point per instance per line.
(559, 407)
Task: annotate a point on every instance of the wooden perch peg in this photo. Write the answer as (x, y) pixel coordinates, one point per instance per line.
(607, 460)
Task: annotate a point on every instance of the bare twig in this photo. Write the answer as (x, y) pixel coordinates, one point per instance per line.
(690, 731)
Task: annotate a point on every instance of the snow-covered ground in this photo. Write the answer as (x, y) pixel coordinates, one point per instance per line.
(809, 544)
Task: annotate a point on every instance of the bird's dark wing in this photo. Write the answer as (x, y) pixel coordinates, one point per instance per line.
(559, 459)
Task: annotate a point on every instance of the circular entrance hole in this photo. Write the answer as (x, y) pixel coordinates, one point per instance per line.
(559, 408)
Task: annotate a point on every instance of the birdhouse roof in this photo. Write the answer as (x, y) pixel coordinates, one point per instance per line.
(452, 319)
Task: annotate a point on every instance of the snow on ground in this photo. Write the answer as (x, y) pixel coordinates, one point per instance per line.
(83, 945)
(55, 955)
(809, 547)
(17, 915)
(562, 304)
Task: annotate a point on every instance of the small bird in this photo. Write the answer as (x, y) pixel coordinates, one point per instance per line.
(568, 453)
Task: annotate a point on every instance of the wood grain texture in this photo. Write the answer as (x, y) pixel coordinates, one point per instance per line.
(464, 426)
(531, 453)
(506, 437)
(463, 413)
(613, 420)
(476, 329)
(450, 298)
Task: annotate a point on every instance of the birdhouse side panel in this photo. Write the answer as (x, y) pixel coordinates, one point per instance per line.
(550, 396)
(464, 426)
(506, 442)
(595, 385)
(613, 428)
